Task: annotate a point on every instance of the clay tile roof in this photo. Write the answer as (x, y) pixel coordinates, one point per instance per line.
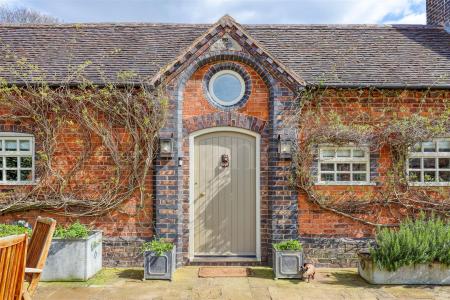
(337, 55)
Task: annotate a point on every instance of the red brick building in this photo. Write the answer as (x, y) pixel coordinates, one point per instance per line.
(222, 192)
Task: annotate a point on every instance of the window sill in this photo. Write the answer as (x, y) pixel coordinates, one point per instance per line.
(428, 184)
(12, 184)
(345, 183)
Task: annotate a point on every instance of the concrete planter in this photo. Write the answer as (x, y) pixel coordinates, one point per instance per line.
(159, 267)
(74, 259)
(286, 264)
(433, 273)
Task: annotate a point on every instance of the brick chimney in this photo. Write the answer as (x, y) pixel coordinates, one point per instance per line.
(438, 13)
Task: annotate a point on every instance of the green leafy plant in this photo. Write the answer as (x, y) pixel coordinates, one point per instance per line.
(416, 241)
(74, 231)
(158, 246)
(290, 245)
(7, 229)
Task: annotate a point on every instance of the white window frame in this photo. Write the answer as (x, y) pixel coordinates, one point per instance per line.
(18, 154)
(217, 99)
(436, 155)
(349, 160)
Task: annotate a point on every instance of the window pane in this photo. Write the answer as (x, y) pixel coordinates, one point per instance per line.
(1, 162)
(358, 153)
(343, 177)
(1, 176)
(24, 145)
(359, 167)
(25, 175)
(444, 176)
(327, 177)
(429, 163)
(343, 153)
(414, 176)
(327, 153)
(444, 146)
(26, 162)
(1, 145)
(11, 175)
(343, 167)
(429, 147)
(414, 163)
(10, 145)
(327, 167)
(429, 176)
(444, 163)
(359, 177)
(417, 147)
(11, 162)
(227, 87)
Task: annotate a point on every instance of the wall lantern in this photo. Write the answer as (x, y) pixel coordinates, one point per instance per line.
(284, 148)
(166, 147)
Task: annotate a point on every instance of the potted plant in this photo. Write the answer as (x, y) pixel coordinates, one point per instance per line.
(75, 254)
(14, 229)
(418, 252)
(159, 259)
(287, 259)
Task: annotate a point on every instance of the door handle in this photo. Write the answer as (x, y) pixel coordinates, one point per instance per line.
(202, 194)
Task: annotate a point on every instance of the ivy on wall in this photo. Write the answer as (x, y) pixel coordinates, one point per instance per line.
(383, 120)
(124, 117)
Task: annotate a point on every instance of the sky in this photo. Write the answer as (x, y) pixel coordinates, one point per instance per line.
(244, 11)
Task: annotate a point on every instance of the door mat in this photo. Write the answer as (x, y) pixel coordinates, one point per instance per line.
(208, 272)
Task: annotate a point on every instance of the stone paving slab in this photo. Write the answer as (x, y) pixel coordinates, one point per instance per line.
(124, 284)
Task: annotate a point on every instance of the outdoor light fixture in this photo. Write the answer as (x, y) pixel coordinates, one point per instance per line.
(166, 147)
(284, 148)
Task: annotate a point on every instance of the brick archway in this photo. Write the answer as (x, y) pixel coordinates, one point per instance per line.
(224, 119)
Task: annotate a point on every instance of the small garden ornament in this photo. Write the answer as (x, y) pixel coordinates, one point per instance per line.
(308, 271)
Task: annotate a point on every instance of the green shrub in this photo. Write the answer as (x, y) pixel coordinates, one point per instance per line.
(74, 231)
(292, 245)
(7, 229)
(415, 241)
(158, 246)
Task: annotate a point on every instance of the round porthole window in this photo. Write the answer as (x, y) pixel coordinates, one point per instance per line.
(226, 87)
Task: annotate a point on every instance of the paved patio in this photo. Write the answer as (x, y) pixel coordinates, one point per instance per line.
(329, 284)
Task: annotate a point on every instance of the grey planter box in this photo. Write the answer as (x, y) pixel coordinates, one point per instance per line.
(74, 259)
(434, 273)
(286, 264)
(159, 267)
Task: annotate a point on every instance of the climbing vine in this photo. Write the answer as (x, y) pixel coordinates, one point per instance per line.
(389, 123)
(95, 143)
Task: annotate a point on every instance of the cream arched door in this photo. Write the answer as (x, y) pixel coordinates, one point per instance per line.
(224, 194)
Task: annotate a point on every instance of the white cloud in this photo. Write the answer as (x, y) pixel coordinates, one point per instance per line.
(9, 2)
(411, 19)
(244, 11)
(376, 11)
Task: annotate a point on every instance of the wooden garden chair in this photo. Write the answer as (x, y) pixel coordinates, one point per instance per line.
(38, 248)
(13, 254)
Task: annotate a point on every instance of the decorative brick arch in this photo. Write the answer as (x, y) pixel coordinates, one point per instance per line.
(278, 200)
(224, 119)
(217, 56)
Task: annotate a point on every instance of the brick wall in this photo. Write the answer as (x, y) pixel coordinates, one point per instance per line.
(337, 238)
(438, 12)
(129, 222)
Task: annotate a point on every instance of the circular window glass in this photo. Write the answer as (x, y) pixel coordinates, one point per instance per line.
(226, 87)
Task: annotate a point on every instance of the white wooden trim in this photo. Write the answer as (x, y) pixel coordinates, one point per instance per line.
(214, 96)
(421, 155)
(192, 137)
(343, 160)
(17, 136)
